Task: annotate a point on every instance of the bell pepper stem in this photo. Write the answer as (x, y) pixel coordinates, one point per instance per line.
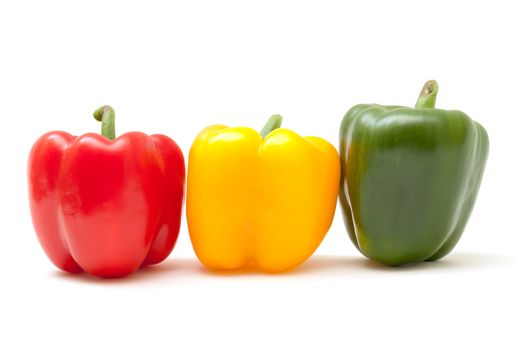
(274, 122)
(427, 97)
(106, 115)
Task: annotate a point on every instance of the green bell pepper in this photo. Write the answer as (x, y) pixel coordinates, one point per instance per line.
(410, 177)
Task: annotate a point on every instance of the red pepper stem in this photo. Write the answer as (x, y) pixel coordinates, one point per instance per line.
(106, 115)
(274, 122)
(427, 97)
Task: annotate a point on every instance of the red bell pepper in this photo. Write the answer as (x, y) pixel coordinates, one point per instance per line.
(104, 205)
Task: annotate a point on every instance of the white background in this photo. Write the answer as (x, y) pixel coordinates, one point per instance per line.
(174, 69)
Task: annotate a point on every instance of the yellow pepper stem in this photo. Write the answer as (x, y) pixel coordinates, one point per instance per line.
(274, 122)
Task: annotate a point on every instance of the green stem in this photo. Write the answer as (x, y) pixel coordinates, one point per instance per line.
(274, 122)
(427, 97)
(106, 115)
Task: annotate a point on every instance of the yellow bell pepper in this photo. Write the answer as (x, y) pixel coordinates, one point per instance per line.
(263, 200)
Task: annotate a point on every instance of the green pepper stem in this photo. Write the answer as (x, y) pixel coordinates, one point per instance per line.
(427, 97)
(106, 115)
(274, 122)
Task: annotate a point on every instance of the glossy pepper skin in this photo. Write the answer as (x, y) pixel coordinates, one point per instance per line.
(106, 206)
(410, 177)
(259, 200)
